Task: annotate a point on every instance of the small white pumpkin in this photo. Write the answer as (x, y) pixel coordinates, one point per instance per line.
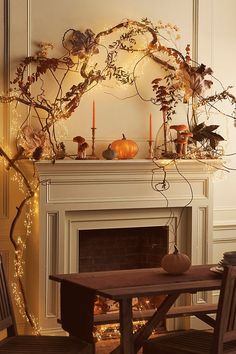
(176, 262)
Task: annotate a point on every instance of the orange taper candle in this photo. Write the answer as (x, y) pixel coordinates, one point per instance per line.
(150, 127)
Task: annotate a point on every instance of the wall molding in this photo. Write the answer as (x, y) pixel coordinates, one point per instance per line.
(224, 226)
(195, 27)
(224, 217)
(9, 16)
(52, 308)
(4, 206)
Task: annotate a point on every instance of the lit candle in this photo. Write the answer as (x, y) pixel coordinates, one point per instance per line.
(93, 121)
(150, 127)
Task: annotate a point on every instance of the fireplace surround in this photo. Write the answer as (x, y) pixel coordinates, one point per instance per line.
(76, 196)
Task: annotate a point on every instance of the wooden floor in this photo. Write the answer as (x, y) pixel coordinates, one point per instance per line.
(106, 346)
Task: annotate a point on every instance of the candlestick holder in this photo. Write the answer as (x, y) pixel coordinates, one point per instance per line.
(150, 150)
(93, 155)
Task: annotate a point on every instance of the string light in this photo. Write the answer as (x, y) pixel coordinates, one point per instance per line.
(21, 308)
(27, 188)
(112, 331)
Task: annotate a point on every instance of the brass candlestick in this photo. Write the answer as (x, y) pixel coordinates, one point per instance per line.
(93, 155)
(150, 150)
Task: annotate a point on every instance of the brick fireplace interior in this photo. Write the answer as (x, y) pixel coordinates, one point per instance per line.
(122, 248)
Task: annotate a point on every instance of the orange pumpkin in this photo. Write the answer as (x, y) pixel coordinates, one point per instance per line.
(175, 263)
(124, 148)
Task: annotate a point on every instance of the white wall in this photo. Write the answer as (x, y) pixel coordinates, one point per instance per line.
(217, 48)
(217, 43)
(115, 115)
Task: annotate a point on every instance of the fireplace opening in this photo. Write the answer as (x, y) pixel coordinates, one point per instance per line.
(121, 249)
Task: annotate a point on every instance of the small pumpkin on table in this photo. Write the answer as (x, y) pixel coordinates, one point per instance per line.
(176, 262)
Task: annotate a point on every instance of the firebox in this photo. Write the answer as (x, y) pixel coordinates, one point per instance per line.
(122, 248)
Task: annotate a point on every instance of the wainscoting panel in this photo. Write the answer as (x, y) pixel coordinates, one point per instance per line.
(224, 232)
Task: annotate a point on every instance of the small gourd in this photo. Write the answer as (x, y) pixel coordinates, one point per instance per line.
(125, 149)
(176, 262)
(109, 153)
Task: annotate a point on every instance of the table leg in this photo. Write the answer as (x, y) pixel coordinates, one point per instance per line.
(126, 328)
(129, 343)
(145, 331)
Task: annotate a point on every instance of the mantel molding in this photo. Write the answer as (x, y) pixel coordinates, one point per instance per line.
(64, 167)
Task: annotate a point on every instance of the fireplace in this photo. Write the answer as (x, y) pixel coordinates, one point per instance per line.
(81, 201)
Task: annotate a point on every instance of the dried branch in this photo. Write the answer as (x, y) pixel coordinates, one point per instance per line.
(29, 194)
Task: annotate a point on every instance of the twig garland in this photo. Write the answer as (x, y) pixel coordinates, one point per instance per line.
(182, 81)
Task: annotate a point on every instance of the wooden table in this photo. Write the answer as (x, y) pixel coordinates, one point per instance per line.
(78, 292)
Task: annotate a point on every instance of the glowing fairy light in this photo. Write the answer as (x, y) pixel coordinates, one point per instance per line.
(112, 331)
(17, 178)
(19, 264)
(21, 308)
(15, 121)
(61, 130)
(34, 205)
(6, 99)
(27, 188)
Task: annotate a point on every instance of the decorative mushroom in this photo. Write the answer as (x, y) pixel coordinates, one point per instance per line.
(82, 146)
(179, 128)
(182, 138)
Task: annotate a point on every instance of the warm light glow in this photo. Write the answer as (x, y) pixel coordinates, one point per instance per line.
(26, 187)
(36, 204)
(21, 307)
(16, 177)
(112, 330)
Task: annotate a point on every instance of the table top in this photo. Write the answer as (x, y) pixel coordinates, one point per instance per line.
(120, 284)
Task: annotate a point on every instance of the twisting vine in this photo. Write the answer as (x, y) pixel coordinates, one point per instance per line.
(18, 246)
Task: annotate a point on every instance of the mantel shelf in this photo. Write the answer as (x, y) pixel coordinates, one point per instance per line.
(125, 166)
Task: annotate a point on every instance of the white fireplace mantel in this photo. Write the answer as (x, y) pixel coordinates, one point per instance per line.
(82, 194)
